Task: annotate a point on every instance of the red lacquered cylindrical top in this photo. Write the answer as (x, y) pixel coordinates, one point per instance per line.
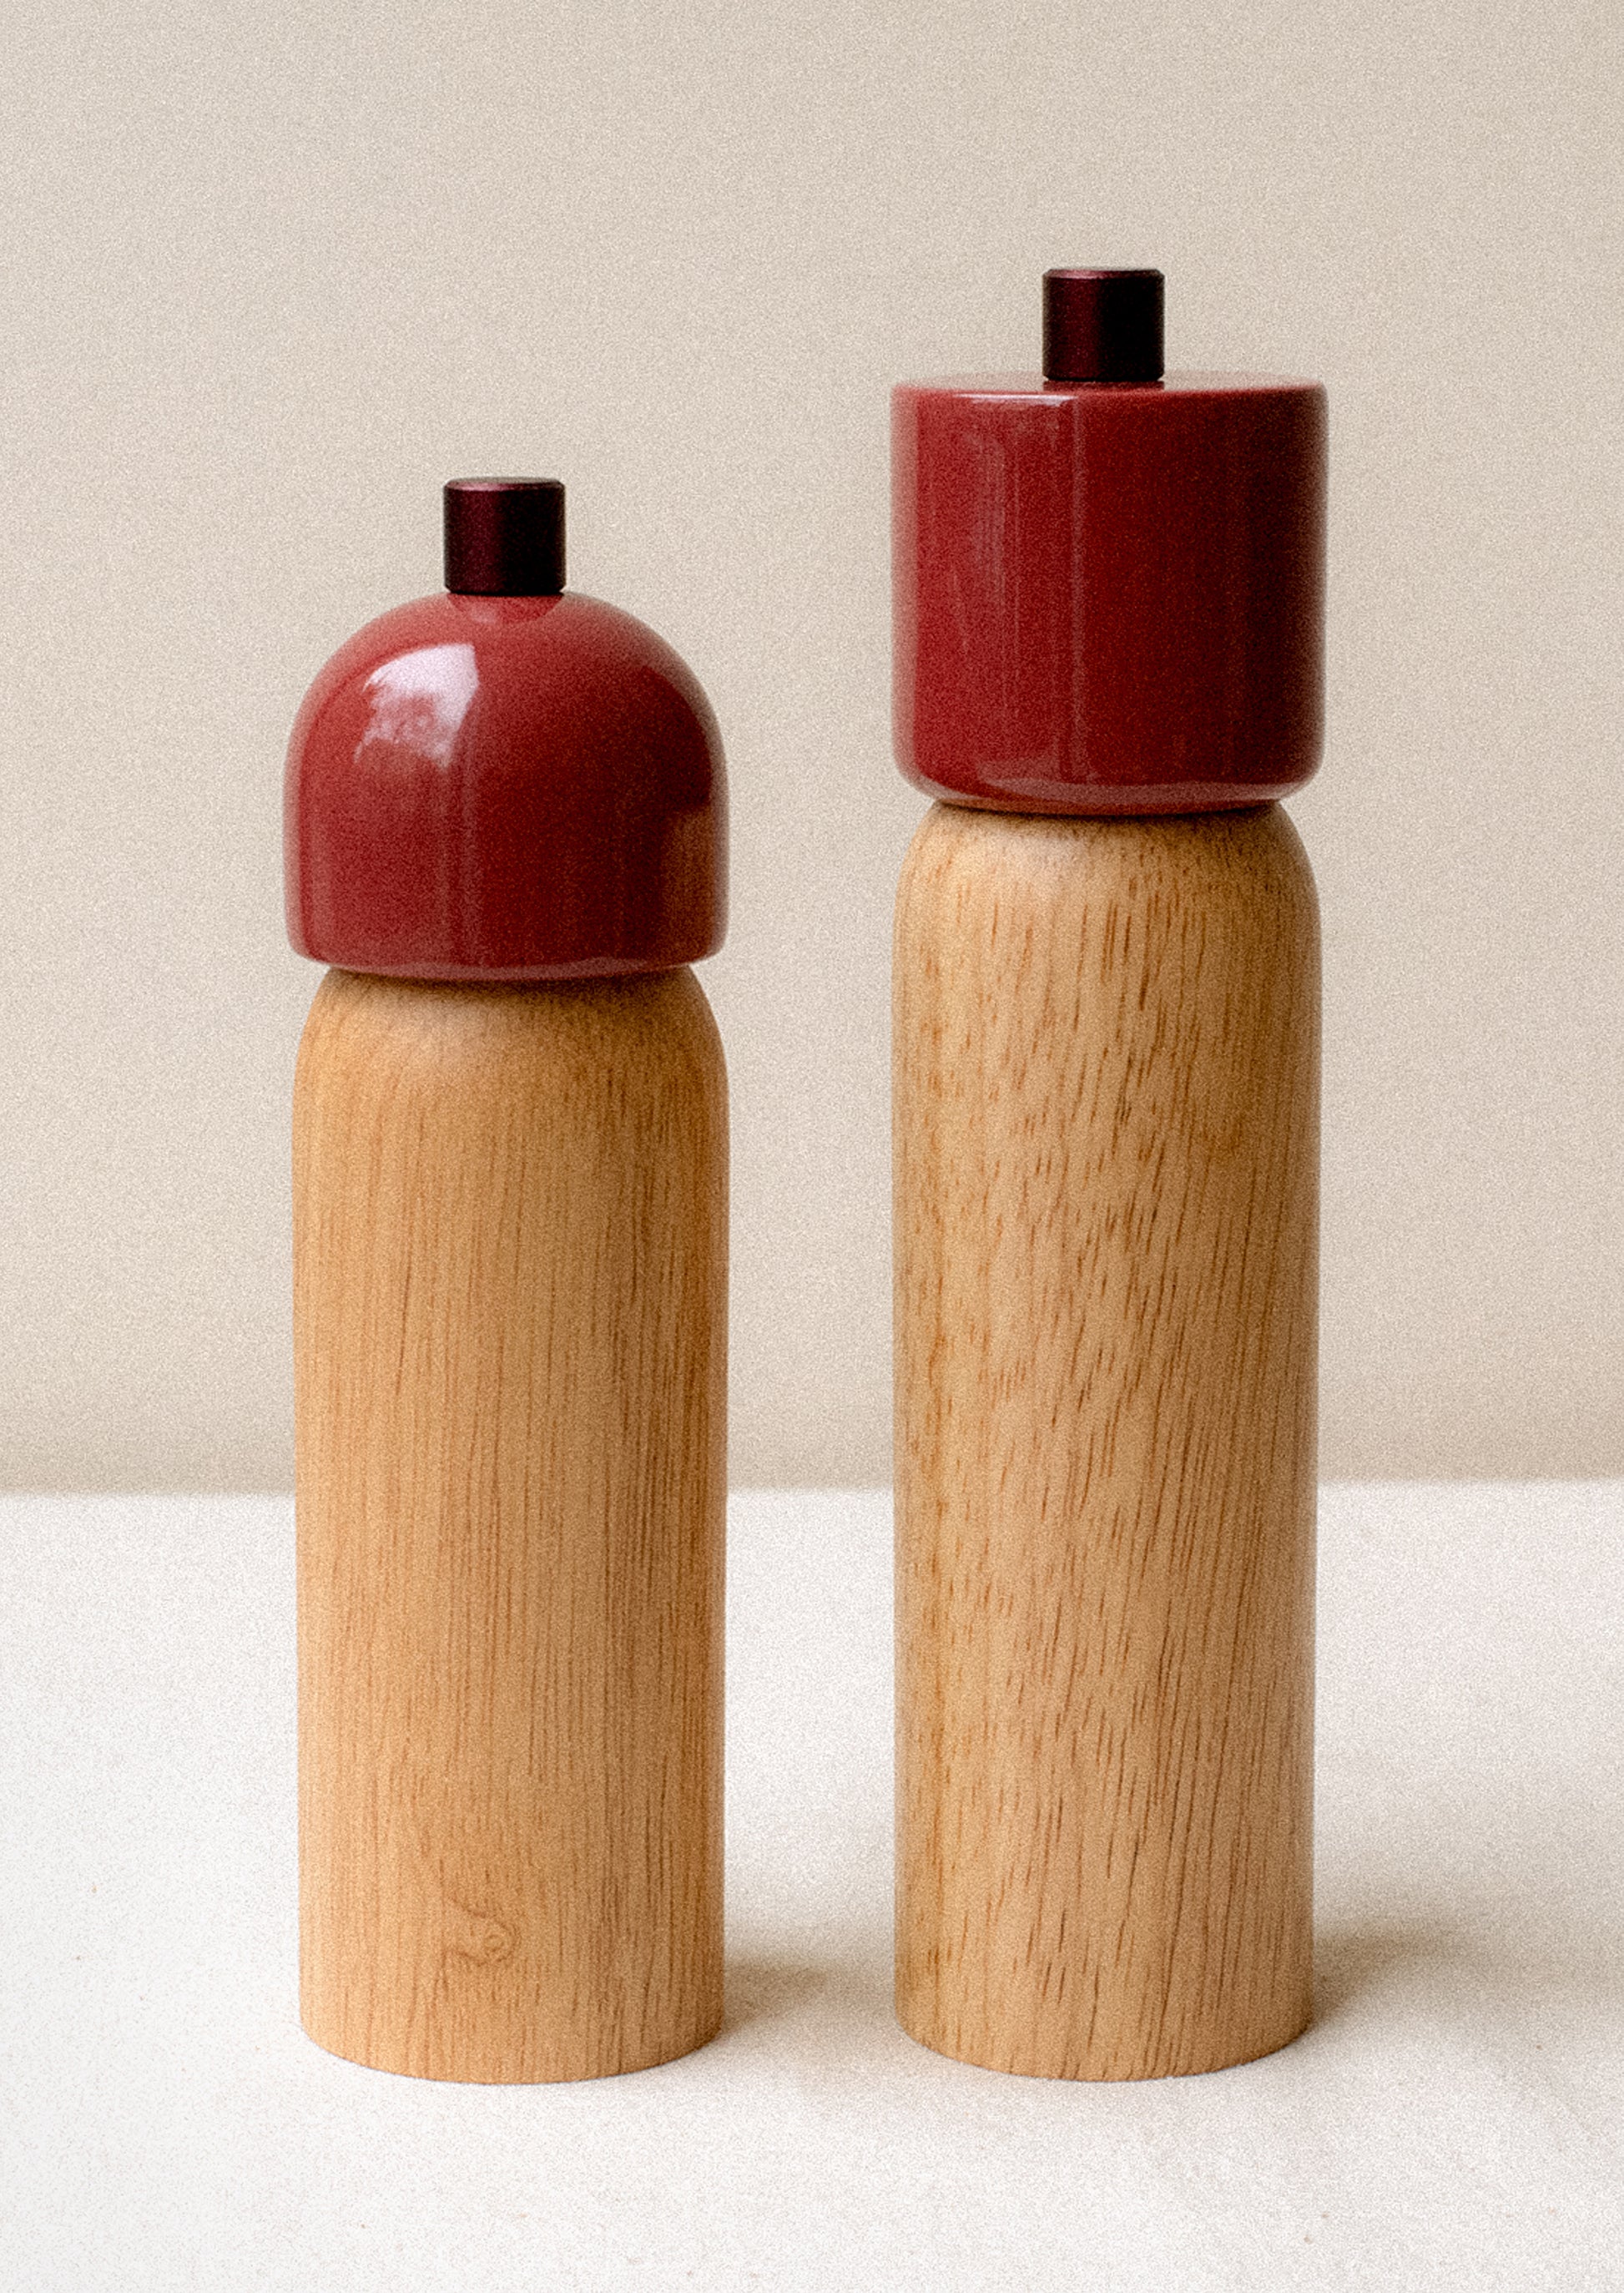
(1109, 596)
(505, 786)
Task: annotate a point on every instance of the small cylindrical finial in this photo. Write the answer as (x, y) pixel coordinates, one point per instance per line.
(505, 537)
(1102, 326)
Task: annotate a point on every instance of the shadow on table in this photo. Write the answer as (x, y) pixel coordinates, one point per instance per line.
(1351, 1963)
(762, 1991)
(1354, 1964)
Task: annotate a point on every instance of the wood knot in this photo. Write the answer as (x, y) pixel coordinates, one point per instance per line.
(476, 1935)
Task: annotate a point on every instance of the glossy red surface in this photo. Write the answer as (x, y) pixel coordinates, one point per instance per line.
(505, 788)
(1108, 597)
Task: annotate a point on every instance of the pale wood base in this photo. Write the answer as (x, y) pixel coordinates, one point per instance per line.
(1106, 1097)
(509, 1268)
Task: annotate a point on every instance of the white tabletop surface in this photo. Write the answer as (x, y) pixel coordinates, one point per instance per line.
(1454, 2119)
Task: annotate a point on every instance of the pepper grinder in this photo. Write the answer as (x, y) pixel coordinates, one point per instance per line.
(1109, 614)
(505, 833)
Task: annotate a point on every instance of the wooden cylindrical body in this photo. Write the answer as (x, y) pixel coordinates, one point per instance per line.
(1106, 1110)
(510, 1270)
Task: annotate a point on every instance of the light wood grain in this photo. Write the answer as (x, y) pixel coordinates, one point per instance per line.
(510, 1270)
(1106, 1107)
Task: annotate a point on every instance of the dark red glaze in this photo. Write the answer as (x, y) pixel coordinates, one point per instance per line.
(1108, 597)
(506, 789)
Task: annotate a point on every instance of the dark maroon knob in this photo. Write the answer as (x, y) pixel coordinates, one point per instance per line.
(505, 537)
(1102, 326)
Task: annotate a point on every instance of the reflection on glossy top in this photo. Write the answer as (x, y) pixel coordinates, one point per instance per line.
(418, 700)
(1108, 597)
(505, 788)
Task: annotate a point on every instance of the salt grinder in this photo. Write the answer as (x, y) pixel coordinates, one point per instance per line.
(505, 833)
(1108, 669)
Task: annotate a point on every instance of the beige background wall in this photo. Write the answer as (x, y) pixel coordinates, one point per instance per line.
(273, 272)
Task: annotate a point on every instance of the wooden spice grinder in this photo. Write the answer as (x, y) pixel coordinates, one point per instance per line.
(1109, 638)
(505, 833)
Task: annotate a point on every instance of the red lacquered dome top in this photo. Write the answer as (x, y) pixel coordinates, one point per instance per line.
(492, 785)
(1108, 587)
